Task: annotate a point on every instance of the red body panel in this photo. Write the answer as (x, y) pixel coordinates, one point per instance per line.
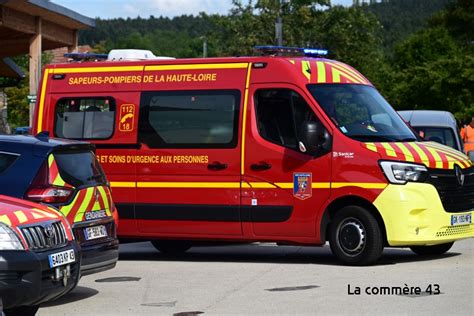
(142, 176)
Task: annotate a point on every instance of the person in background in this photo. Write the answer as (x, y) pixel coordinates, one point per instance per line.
(467, 135)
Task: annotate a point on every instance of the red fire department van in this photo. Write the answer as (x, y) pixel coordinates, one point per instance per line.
(286, 149)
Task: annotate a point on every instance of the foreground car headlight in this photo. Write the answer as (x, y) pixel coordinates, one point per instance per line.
(9, 239)
(401, 173)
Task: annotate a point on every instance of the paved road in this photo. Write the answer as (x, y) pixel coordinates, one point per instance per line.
(267, 279)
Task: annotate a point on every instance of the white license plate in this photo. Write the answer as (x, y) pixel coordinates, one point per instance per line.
(61, 258)
(461, 219)
(95, 232)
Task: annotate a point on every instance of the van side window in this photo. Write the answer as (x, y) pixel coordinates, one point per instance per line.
(85, 118)
(189, 119)
(280, 113)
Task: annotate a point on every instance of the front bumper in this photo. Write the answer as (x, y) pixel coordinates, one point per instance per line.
(414, 215)
(97, 254)
(26, 278)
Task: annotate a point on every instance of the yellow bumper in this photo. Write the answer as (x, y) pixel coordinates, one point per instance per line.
(414, 215)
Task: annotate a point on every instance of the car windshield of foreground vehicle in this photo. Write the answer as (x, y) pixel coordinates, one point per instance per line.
(361, 113)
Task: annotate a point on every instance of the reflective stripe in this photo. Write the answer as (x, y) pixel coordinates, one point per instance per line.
(21, 216)
(306, 69)
(105, 199)
(198, 185)
(197, 66)
(39, 125)
(95, 69)
(389, 150)
(244, 121)
(45, 214)
(4, 219)
(84, 205)
(118, 184)
(406, 152)
(365, 185)
(36, 215)
(421, 153)
(371, 146)
(321, 72)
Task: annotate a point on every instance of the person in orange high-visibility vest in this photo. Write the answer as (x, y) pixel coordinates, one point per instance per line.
(467, 134)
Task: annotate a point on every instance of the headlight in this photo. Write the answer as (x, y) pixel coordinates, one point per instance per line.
(9, 239)
(401, 173)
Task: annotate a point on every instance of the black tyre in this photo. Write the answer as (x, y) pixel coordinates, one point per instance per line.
(171, 247)
(22, 311)
(432, 250)
(355, 236)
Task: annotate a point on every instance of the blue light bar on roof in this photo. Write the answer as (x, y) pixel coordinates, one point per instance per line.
(315, 52)
(280, 50)
(86, 56)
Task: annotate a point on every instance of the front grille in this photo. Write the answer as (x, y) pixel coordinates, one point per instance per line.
(45, 236)
(454, 196)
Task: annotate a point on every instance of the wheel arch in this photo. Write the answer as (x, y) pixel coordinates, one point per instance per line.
(342, 202)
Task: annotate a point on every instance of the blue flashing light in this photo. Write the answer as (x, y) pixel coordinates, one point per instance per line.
(315, 52)
(86, 56)
(280, 50)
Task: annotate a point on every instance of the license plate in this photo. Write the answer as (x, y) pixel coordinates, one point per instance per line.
(61, 258)
(461, 219)
(95, 232)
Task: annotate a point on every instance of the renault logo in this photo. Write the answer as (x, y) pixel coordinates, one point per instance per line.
(459, 175)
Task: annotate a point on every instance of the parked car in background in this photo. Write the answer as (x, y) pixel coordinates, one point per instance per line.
(436, 126)
(66, 175)
(39, 259)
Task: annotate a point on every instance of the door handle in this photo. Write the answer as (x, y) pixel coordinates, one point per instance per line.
(260, 166)
(216, 166)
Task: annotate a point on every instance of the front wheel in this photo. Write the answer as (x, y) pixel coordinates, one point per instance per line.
(171, 247)
(355, 236)
(432, 250)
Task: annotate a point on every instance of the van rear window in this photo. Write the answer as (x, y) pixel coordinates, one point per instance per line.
(189, 119)
(85, 118)
(79, 168)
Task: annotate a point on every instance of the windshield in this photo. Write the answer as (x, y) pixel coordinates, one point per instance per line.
(361, 113)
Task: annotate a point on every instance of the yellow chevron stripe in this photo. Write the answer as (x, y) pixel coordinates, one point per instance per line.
(21, 216)
(50, 160)
(83, 207)
(437, 158)
(45, 214)
(4, 219)
(321, 72)
(371, 146)
(389, 150)
(451, 152)
(420, 153)
(306, 69)
(458, 159)
(105, 199)
(345, 68)
(336, 75)
(37, 215)
(406, 152)
(291, 61)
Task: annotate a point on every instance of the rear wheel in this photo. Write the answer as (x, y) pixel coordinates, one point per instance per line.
(355, 236)
(432, 250)
(171, 247)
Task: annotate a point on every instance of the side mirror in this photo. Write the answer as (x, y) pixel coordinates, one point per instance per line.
(314, 139)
